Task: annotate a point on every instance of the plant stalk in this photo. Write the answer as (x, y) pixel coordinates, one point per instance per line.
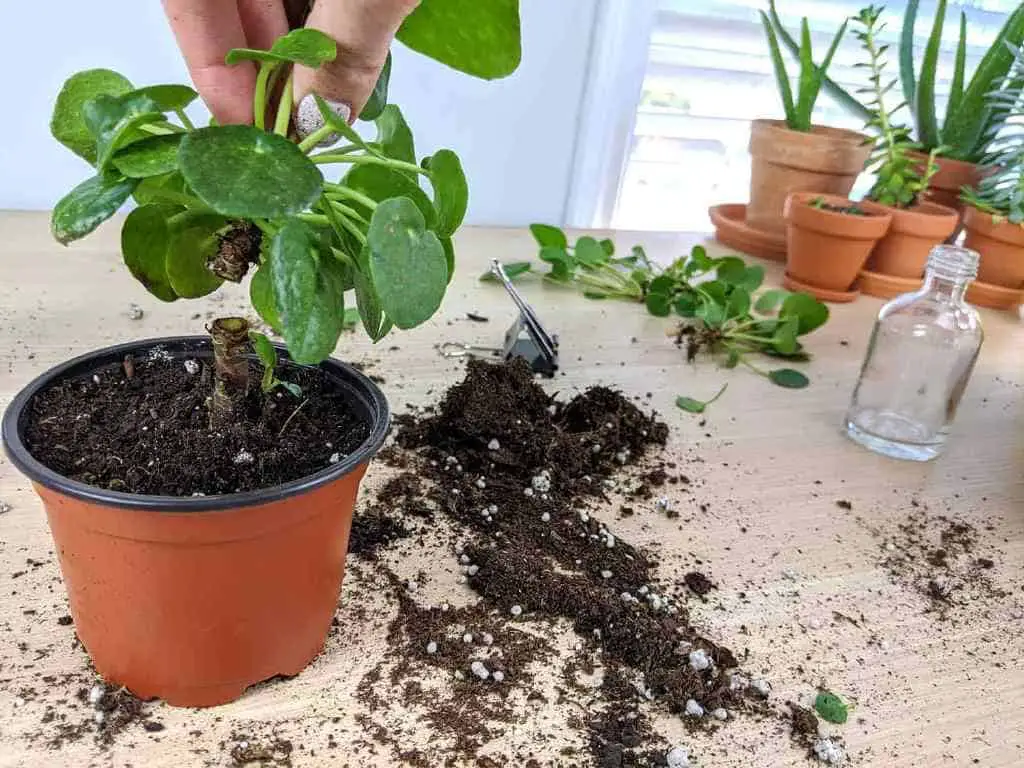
(230, 337)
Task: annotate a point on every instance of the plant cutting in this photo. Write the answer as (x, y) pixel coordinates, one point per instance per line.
(200, 489)
(828, 242)
(995, 213)
(715, 298)
(968, 125)
(900, 179)
(794, 155)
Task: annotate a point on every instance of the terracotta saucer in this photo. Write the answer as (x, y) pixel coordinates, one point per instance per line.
(822, 294)
(994, 296)
(886, 286)
(732, 230)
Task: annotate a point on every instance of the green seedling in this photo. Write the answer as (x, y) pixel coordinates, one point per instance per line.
(690, 405)
(267, 355)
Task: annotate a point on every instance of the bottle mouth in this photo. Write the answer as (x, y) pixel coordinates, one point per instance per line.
(951, 262)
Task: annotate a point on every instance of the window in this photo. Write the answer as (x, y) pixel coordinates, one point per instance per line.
(708, 74)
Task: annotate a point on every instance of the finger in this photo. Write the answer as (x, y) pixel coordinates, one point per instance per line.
(206, 30)
(363, 30)
(263, 21)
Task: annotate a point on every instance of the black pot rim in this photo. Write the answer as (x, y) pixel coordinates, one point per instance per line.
(37, 472)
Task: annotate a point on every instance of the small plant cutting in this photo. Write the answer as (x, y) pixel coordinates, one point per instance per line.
(901, 177)
(795, 155)
(715, 298)
(200, 490)
(995, 213)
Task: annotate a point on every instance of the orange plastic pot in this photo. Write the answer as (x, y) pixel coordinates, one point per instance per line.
(828, 249)
(903, 252)
(194, 599)
(1001, 245)
(824, 160)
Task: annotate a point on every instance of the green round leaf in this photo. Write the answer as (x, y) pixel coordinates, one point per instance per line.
(149, 189)
(191, 245)
(243, 172)
(686, 305)
(479, 38)
(659, 304)
(451, 192)
(831, 708)
(380, 184)
(309, 291)
(788, 378)
(608, 247)
(144, 240)
(810, 312)
(379, 98)
(169, 98)
(739, 303)
(308, 47)
(261, 296)
(545, 235)
(115, 120)
(394, 135)
(662, 284)
(561, 261)
(768, 301)
(407, 263)
(67, 124)
(154, 156)
(88, 205)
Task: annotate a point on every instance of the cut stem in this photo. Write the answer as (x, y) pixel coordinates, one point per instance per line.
(230, 337)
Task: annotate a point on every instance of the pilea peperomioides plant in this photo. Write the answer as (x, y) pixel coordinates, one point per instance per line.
(216, 203)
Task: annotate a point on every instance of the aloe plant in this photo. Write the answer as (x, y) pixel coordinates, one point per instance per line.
(1001, 190)
(798, 113)
(969, 122)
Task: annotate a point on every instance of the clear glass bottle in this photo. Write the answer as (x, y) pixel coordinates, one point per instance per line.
(920, 358)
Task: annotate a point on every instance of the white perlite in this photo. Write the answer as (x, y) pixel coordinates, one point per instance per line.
(542, 481)
(468, 637)
(699, 660)
(478, 669)
(678, 757)
(96, 693)
(829, 752)
(244, 457)
(191, 367)
(334, 458)
(693, 709)
(135, 312)
(488, 638)
(516, 610)
(4, 507)
(499, 676)
(606, 574)
(738, 683)
(761, 687)
(481, 483)
(431, 647)
(473, 570)
(546, 517)
(494, 445)
(610, 542)
(721, 714)
(664, 504)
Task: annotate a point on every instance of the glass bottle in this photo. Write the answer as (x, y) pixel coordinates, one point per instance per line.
(920, 358)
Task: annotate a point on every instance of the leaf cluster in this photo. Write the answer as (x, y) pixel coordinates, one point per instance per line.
(716, 298)
(812, 76)
(374, 236)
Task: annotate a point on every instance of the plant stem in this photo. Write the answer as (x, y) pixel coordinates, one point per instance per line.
(185, 121)
(313, 218)
(344, 210)
(352, 228)
(230, 337)
(284, 107)
(259, 98)
(398, 165)
(352, 194)
(311, 141)
(159, 129)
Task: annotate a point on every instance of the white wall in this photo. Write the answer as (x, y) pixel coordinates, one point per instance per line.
(516, 136)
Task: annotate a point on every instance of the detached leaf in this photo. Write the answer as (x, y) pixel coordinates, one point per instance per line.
(190, 247)
(243, 172)
(309, 291)
(407, 263)
(659, 304)
(154, 156)
(144, 241)
(739, 303)
(589, 252)
(394, 136)
(609, 247)
(513, 269)
(562, 262)
(690, 405)
(67, 124)
(545, 235)
(479, 38)
(788, 378)
(810, 312)
(307, 46)
(451, 192)
(379, 97)
(88, 205)
(831, 708)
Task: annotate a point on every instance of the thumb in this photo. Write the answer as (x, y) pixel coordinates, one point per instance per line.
(363, 30)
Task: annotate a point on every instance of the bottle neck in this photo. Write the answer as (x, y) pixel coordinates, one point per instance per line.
(945, 287)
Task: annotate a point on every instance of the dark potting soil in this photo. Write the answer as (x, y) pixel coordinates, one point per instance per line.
(143, 428)
(850, 210)
(514, 473)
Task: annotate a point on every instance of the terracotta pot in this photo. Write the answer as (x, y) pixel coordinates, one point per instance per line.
(825, 160)
(194, 599)
(903, 252)
(947, 184)
(1001, 245)
(827, 249)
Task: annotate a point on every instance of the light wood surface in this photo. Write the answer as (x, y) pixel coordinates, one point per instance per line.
(769, 461)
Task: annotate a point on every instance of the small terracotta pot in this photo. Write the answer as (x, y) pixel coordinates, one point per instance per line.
(824, 160)
(903, 252)
(827, 249)
(947, 184)
(194, 599)
(1001, 245)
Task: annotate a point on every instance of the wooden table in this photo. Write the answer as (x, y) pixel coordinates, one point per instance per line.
(928, 693)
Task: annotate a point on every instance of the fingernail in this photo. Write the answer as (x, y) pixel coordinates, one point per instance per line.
(309, 120)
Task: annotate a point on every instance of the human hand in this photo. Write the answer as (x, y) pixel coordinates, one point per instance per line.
(363, 29)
